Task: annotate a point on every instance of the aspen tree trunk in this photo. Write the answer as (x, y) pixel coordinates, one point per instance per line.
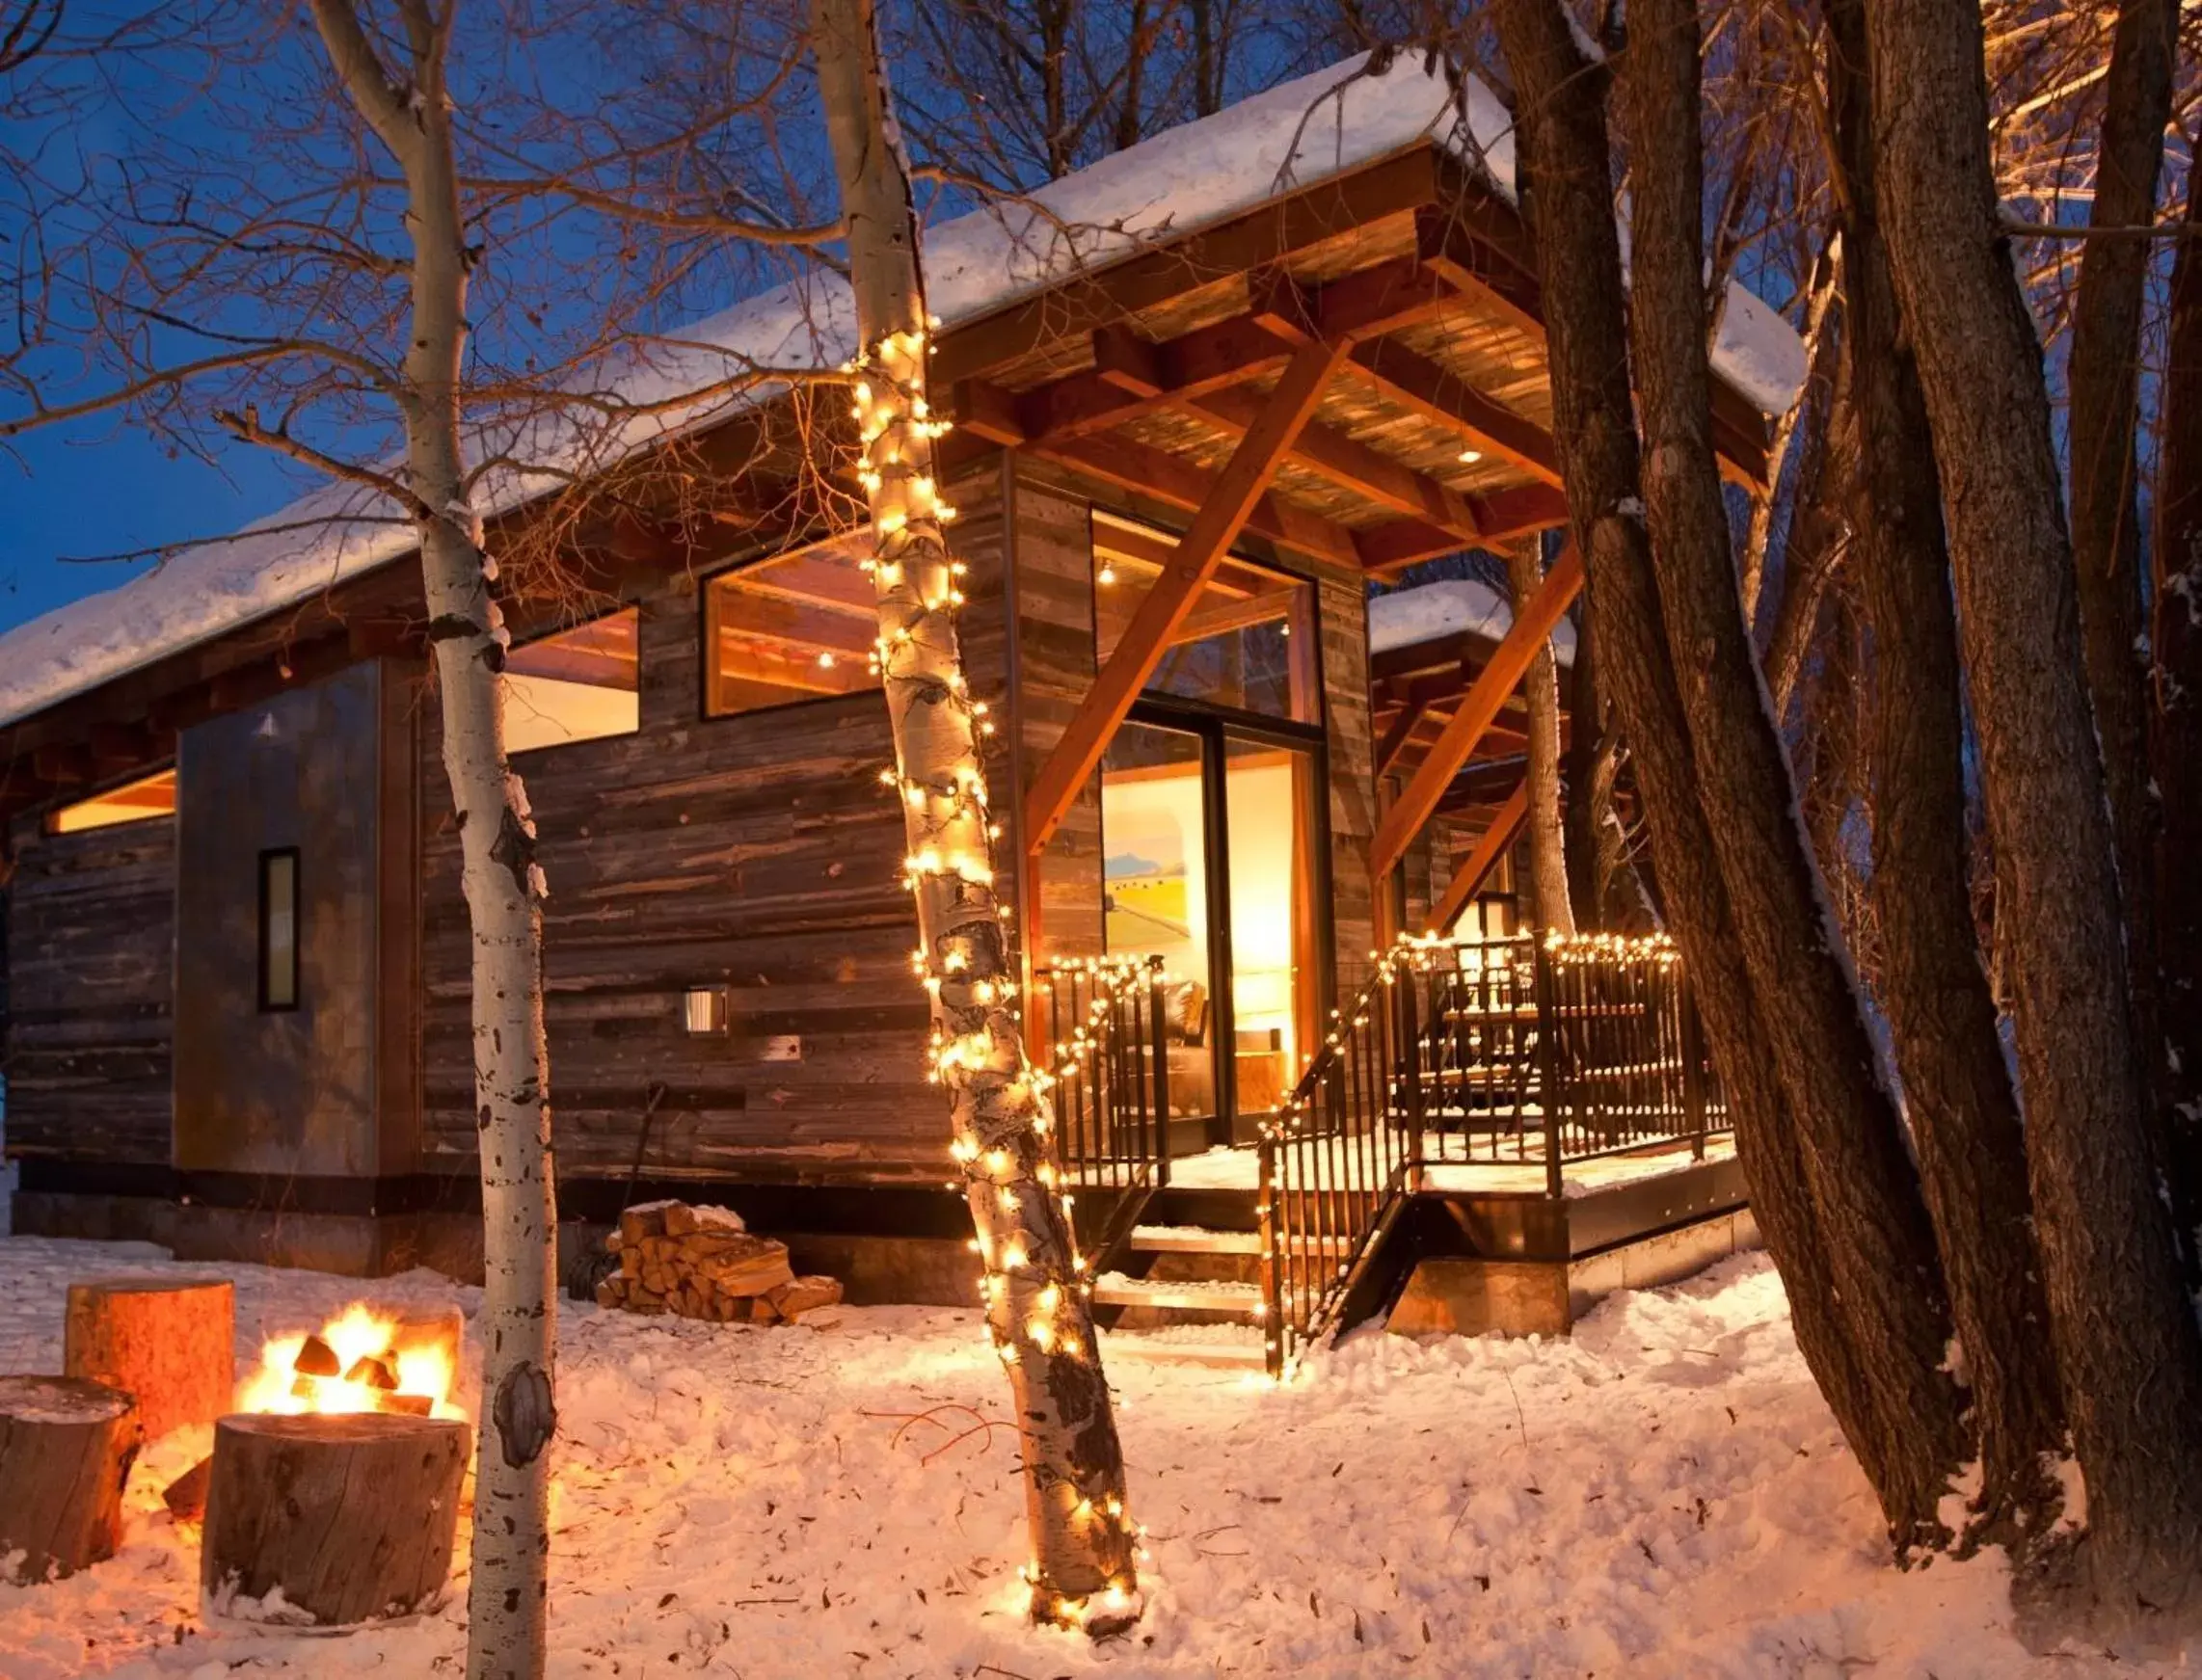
(1541, 687)
(1856, 1161)
(2122, 1327)
(2177, 731)
(1897, 1419)
(2103, 379)
(506, 1603)
(1037, 1286)
(1964, 1112)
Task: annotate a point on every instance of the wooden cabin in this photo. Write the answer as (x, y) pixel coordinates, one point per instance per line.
(236, 982)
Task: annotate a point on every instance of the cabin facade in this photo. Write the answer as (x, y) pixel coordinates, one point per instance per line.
(236, 952)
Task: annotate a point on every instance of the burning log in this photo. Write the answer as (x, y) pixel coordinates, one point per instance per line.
(66, 1450)
(699, 1263)
(164, 1341)
(330, 1519)
(362, 1361)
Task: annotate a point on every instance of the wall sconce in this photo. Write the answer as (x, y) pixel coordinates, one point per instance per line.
(704, 1010)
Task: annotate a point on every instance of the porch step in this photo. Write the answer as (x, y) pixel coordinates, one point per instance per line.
(1240, 1300)
(1218, 1346)
(1194, 1240)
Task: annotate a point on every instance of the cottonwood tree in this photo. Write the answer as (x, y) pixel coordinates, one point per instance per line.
(2120, 1322)
(1565, 159)
(1036, 1284)
(301, 269)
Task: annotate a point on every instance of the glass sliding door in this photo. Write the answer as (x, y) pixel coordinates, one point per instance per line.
(1270, 863)
(1158, 899)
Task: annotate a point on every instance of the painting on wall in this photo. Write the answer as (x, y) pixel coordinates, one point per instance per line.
(1148, 902)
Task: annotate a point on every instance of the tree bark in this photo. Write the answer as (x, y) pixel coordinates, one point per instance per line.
(1541, 690)
(1856, 1161)
(411, 114)
(2177, 731)
(2124, 1333)
(2102, 378)
(66, 1450)
(1038, 1285)
(1564, 151)
(351, 1517)
(168, 1343)
(1591, 832)
(1962, 1109)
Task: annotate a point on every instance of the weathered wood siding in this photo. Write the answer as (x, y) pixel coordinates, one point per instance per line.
(1342, 604)
(91, 955)
(757, 852)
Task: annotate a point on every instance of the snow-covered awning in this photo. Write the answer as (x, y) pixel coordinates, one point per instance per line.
(1306, 131)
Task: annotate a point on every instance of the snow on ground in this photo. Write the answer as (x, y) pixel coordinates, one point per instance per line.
(1664, 1495)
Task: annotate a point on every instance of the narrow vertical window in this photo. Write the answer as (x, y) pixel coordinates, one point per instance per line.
(279, 929)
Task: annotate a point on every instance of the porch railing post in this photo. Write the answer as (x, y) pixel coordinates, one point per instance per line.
(1693, 1064)
(1273, 1296)
(1547, 1063)
(1407, 1022)
(1158, 1139)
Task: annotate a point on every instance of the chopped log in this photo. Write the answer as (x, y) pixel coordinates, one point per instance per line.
(168, 1343)
(316, 1359)
(643, 1222)
(66, 1450)
(329, 1520)
(186, 1496)
(806, 1295)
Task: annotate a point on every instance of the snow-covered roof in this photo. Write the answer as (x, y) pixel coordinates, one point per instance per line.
(1430, 612)
(1304, 131)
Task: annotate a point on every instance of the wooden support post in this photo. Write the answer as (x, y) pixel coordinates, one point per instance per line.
(1478, 708)
(1215, 527)
(1480, 861)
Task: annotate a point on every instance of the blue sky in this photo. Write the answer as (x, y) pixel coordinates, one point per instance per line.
(105, 488)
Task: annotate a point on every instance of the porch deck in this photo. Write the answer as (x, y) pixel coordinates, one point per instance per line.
(1449, 1169)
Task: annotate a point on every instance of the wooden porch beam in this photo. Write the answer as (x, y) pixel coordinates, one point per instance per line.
(1145, 470)
(1395, 738)
(1229, 503)
(1416, 383)
(1478, 708)
(1473, 870)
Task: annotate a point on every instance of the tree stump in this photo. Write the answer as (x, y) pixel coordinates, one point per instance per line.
(66, 1448)
(330, 1519)
(164, 1341)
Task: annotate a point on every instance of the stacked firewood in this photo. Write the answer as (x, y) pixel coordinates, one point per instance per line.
(701, 1262)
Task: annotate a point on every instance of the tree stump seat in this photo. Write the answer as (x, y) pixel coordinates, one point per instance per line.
(66, 1450)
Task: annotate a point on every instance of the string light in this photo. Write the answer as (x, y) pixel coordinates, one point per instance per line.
(1032, 1281)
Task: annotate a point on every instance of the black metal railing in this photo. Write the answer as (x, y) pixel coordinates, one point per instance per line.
(1098, 1028)
(1339, 1160)
(1536, 1051)
(1544, 1050)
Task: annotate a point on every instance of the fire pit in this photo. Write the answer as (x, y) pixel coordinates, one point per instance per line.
(333, 1495)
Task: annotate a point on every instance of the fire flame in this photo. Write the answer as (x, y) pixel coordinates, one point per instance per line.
(423, 1362)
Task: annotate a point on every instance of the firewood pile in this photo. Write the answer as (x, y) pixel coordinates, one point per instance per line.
(701, 1262)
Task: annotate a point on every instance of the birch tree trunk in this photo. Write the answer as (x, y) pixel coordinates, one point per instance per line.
(2122, 1327)
(1541, 687)
(2177, 732)
(1896, 1420)
(1856, 1161)
(1038, 1285)
(410, 112)
(1964, 1112)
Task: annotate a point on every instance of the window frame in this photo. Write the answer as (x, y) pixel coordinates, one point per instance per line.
(707, 634)
(263, 954)
(625, 608)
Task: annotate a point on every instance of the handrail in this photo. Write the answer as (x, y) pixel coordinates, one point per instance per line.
(1099, 1023)
(1338, 1156)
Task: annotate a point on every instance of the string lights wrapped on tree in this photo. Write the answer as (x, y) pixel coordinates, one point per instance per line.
(1037, 1285)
